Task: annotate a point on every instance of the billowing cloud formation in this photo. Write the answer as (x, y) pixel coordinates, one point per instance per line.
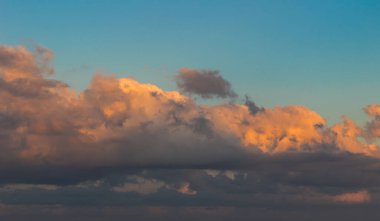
(125, 123)
(120, 136)
(204, 83)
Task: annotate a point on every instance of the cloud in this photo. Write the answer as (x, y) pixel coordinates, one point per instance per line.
(373, 127)
(354, 197)
(141, 144)
(124, 123)
(373, 110)
(252, 107)
(185, 189)
(18, 62)
(204, 83)
(21, 186)
(141, 185)
(186, 213)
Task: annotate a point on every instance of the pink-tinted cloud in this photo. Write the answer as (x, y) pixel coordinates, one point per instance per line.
(353, 197)
(123, 123)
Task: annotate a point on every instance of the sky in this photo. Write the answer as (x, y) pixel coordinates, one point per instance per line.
(321, 54)
(208, 110)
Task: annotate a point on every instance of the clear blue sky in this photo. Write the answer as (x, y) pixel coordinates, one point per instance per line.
(321, 54)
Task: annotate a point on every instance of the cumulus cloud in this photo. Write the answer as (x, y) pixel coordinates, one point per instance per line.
(125, 123)
(205, 83)
(52, 135)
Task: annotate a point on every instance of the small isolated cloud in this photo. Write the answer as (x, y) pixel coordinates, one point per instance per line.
(205, 83)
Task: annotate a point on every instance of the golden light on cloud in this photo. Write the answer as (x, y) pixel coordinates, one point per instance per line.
(114, 116)
(59, 135)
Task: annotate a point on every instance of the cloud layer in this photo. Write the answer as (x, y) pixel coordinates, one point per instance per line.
(122, 136)
(122, 122)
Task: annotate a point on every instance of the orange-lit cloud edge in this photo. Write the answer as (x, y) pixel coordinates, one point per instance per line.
(123, 123)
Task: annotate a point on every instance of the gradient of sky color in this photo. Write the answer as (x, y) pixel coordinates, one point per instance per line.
(141, 145)
(321, 54)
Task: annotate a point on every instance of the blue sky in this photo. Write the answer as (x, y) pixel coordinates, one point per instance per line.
(129, 151)
(321, 54)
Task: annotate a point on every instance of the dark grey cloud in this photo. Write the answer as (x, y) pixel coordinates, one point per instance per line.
(157, 213)
(253, 108)
(205, 83)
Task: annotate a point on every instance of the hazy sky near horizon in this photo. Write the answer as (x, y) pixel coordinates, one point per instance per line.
(321, 54)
